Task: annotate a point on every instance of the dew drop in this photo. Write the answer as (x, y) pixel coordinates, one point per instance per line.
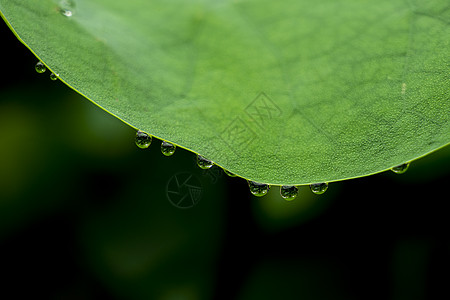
(167, 148)
(66, 12)
(258, 189)
(143, 140)
(401, 168)
(289, 192)
(229, 173)
(204, 163)
(319, 188)
(40, 67)
(66, 7)
(54, 76)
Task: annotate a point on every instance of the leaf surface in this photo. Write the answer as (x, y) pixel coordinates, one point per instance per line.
(282, 92)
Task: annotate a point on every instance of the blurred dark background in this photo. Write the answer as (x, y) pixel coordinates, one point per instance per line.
(84, 215)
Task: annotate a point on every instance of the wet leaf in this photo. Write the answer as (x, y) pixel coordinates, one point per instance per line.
(282, 92)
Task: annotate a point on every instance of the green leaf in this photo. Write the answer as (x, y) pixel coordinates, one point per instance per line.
(282, 92)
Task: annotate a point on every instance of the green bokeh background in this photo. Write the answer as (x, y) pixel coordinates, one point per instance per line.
(84, 215)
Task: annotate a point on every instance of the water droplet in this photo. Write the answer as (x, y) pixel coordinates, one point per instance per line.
(258, 189)
(143, 140)
(401, 168)
(288, 192)
(66, 13)
(40, 67)
(66, 7)
(229, 173)
(203, 162)
(319, 188)
(54, 76)
(167, 148)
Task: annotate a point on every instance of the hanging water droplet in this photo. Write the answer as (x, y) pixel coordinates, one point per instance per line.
(203, 162)
(229, 173)
(143, 140)
(401, 168)
(288, 192)
(54, 76)
(319, 188)
(258, 189)
(167, 148)
(40, 67)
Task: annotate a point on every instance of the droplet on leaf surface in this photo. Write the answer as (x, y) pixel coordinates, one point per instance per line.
(40, 67)
(204, 163)
(54, 76)
(319, 188)
(143, 140)
(229, 173)
(289, 192)
(400, 169)
(167, 148)
(258, 189)
(67, 7)
(66, 13)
